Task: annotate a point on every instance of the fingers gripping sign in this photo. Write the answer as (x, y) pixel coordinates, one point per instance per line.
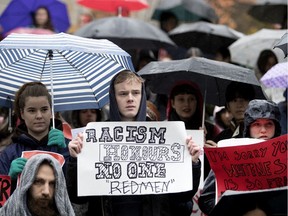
(75, 146)
(194, 149)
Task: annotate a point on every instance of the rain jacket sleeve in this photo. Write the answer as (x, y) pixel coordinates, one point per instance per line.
(206, 200)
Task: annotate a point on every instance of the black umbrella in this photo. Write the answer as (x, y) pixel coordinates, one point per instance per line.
(128, 33)
(211, 76)
(237, 203)
(208, 37)
(271, 11)
(186, 10)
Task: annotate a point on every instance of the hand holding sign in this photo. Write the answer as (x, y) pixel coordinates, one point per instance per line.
(75, 146)
(194, 149)
(16, 167)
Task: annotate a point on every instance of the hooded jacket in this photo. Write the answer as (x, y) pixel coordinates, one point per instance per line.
(22, 141)
(114, 112)
(16, 205)
(258, 109)
(137, 205)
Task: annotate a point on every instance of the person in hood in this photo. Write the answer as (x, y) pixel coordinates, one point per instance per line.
(128, 103)
(41, 192)
(33, 108)
(261, 121)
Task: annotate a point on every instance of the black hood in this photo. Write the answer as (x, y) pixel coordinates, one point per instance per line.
(262, 109)
(113, 109)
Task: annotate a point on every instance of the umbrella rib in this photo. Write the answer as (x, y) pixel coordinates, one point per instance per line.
(74, 67)
(43, 67)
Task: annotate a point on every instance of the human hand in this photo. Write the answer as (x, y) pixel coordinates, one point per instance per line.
(194, 149)
(17, 165)
(76, 145)
(56, 137)
(210, 144)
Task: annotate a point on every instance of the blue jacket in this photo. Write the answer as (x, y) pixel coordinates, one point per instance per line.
(22, 141)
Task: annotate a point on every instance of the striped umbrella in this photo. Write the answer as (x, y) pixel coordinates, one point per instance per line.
(76, 70)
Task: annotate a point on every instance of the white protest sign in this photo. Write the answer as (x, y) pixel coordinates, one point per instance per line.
(125, 158)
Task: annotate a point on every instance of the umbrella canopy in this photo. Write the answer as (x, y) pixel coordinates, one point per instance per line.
(128, 33)
(18, 13)
(246, 50)
(211, 76)
(208, 37)
(186, 10)
(76, 70)
(277, 76)
(283, 44)
(114, 5)
(271, 11)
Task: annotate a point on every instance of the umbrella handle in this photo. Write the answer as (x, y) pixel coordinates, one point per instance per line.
(204, 109)
(50, 54)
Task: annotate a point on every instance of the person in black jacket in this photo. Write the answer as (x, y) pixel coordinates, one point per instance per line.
(128, 103)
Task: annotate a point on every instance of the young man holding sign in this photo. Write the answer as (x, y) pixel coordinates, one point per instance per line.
(128, 103)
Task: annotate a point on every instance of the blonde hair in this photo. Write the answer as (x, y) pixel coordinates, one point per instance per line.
(129, 76)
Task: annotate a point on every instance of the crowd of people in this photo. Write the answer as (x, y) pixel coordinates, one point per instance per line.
(47, 188)
(128, 102)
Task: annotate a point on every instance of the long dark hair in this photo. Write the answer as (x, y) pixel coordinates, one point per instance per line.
(48, 24)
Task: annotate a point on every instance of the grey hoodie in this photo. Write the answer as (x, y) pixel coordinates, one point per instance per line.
(16, 205)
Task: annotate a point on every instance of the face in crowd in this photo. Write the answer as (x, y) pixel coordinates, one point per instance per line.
(185, 105)
(36, 115)
(41, 192)
(262, 129)
(33, 107)
(237, 108)
(128, 94)
(41, 16)
(87, 115)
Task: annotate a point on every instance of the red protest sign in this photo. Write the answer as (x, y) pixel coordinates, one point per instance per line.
(5, 188)
(29, 154)
(249, 167)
